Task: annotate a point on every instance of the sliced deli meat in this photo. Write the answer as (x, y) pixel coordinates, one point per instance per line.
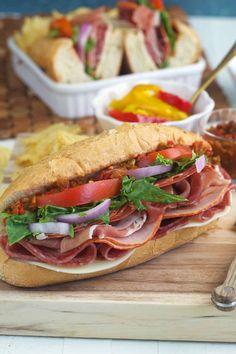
(109, 253)
(212, 189)
(79, 256)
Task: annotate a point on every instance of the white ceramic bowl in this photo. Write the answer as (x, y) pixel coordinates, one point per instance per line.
(196, 122)
(74, 100)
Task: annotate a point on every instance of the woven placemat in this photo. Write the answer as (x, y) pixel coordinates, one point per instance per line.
(22, 111)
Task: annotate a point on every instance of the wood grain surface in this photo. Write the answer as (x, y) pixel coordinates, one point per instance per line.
(167, 298)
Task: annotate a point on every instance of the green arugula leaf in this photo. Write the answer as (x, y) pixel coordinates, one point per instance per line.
(90, 44)
(4, 215)
(168, 28)
(49, 213)
(146, 3)
(54, 33)
(71, 231)
(17, 226)
(117, 202)
(105, 217)
(75, 34)
(164, 64)
(179, 166)
(140, 190)
(161, 160)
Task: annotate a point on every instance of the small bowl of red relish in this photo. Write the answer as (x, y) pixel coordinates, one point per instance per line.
(220, 132)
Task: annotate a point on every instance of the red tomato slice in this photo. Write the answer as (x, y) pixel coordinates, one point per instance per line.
(83, 194)
(177, 152)
(174, 153)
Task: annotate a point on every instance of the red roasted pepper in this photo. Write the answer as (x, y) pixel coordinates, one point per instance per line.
(134, 118)
(175, 101)
(124, 116)
(158, 4)
(63, 26)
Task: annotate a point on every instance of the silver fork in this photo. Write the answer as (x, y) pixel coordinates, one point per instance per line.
(224, 296)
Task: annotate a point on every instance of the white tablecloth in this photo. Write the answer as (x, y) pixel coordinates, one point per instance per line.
(217, 35)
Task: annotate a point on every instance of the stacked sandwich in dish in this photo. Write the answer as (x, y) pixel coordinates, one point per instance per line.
(95, 44)
(108, 203)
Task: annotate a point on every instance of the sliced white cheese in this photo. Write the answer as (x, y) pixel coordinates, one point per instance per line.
(203, 223)
(96, 266)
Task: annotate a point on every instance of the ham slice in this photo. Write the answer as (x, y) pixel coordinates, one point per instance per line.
(109, 253)
(98, 35)
(211, 192)
(122, 213)
(120, 233)
(53, 243)
(88, 17)
(177, 178)
(182, 188)
(138, 238)
(16, 251)
(143, 17)
(79, 256)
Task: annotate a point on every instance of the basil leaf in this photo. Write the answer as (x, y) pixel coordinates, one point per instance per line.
(140, 190)
(17, 226)
(168, 28)
(90, 44)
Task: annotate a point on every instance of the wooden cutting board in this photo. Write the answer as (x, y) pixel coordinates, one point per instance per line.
(167, 298)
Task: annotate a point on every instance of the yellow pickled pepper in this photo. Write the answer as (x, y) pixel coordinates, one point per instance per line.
(142, 100)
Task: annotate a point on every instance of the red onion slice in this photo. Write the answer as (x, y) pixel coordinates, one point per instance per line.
(50, 228)
(84, 34)
(200, 163)
(149, 171)
(93, 213)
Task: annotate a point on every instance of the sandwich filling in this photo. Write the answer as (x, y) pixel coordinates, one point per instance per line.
(110, 213)
(88, 32)
(158, 32)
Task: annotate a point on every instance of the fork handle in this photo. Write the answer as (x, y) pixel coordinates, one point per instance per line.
(224, 296)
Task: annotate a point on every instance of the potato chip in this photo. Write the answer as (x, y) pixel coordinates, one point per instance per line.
(52, 139)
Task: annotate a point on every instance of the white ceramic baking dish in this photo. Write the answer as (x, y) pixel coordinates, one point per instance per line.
(195, 122)
(74, 100)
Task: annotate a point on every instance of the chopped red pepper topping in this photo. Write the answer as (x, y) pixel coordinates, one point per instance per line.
(63, 26)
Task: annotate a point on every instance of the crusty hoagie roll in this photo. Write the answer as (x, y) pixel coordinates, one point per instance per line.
(58, 58)
(110, 202)
(156, 41)
(75, 51)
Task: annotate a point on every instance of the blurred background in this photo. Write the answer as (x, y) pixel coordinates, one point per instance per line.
(199, 7)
